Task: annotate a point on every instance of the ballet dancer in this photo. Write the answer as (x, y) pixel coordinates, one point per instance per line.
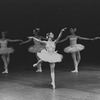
(49, 54)
(37, 47)
(5, 51)
(74, 48)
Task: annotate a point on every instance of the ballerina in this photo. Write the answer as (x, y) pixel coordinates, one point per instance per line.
(49, 54)
(5, 51)
(74, 48)
(37, 47)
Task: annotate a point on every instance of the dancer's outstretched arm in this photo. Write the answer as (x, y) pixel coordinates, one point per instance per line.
(37, 39)
(60, 34)
(26, 41)
(17, 40)
(83, 38)
(43, 38)
(63, 40)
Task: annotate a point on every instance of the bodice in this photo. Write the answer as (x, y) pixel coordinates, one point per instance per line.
(3, 43)
(73, 40)
(36, 42)
(50, 46)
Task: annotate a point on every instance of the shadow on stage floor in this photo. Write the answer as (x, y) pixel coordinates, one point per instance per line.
(29, 85)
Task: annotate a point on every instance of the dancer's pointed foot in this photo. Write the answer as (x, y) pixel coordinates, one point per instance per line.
(5, 72)
(34, 65)
(74, 71)
(53, 85)
(39, 70)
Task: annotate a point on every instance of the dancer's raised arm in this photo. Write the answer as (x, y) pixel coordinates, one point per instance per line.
(36, 39)
(56, 41)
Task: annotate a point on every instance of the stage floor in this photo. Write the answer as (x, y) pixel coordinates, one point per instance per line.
(29, 85)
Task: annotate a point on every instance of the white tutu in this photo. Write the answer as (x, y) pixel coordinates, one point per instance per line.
(50, 57)
(6, 50)
(74, 48)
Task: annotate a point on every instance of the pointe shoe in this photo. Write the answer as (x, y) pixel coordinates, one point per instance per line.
(4, 72)
(53, 85)
(39, 70)
(34, 65)
(74, 71)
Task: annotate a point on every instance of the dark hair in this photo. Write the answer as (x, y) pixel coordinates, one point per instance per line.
(48, 34)
(73, 30)
(36, 31)
(5, 32)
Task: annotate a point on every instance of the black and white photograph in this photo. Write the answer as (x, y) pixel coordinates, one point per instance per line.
(49, 50)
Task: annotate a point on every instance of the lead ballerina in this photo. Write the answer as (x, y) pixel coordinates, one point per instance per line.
(74, 48)
(49, 54)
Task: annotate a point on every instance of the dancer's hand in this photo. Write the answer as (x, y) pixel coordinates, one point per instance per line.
(64, 29)
(21, 40)
(21, 43)
(30, 37)
(96, 38)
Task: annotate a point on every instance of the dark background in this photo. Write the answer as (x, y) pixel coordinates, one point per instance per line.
(20, 17)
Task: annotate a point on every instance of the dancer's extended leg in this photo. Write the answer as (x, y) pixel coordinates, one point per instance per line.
(39, 66)
(52, 68)
(40, 61)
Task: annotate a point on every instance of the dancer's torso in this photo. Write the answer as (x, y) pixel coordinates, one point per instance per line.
(50, 46)
(73, 40)
(37, 42)
(3, 43)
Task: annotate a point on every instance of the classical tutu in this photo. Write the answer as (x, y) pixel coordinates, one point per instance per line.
(50, 57)
(6, 50)
(36, 48)
(74, 48)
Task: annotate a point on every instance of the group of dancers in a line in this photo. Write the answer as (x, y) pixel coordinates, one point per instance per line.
(44, 48)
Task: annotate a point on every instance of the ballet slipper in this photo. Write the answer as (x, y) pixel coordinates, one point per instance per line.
(53, 85)
(74, 71)
(34, 65)
(5, 72)
(39, 70)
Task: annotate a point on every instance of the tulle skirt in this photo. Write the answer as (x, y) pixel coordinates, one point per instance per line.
(6, 50)
(36, 48)
(74, 48)
(50, 57)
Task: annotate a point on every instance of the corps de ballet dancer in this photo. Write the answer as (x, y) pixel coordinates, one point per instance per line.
(74, 48)
(6, 51)
(37, 47)
(49, 54)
